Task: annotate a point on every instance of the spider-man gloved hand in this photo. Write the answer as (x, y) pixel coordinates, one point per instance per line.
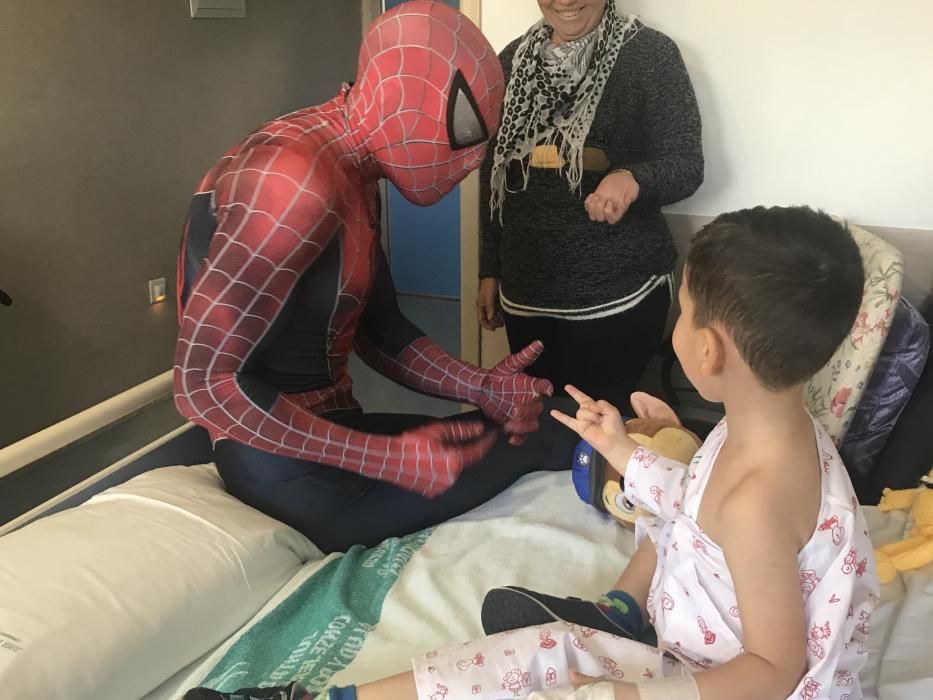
(432, 456)
(512, 398)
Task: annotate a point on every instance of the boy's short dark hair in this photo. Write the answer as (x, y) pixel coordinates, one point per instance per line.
(785, 282)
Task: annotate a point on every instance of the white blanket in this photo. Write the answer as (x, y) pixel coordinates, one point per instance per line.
(900, 657)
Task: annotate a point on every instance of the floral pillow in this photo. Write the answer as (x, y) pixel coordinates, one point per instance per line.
(833, 394)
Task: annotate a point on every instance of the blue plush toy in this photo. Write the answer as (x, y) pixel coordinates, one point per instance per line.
(589, 480)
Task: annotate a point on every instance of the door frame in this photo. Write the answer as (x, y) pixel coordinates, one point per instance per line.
(470, 337)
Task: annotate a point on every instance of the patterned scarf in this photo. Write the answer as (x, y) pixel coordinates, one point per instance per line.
(553, 94)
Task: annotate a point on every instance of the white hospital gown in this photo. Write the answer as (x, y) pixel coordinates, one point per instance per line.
(517, 663)
(692, 601)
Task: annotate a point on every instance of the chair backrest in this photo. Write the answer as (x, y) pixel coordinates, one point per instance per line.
(833, 394)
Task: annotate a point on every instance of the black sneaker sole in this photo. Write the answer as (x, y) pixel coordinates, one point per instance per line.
(510, 608)
(597, 473)
(506, 609)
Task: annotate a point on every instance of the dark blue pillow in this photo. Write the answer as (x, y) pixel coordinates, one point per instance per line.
(892, 382)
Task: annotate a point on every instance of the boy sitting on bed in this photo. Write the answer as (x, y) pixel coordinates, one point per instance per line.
(756, 567)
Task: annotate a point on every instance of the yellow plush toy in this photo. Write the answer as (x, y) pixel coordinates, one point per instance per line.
(657, 428)
(916, 550)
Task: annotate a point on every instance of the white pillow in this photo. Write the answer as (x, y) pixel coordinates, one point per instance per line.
(108, 599)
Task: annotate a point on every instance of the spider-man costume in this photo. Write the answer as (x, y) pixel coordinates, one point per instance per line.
(281, 274)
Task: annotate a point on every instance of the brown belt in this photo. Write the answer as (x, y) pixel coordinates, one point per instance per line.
(548, 157)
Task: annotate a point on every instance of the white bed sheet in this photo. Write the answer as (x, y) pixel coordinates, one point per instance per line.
(538, 534)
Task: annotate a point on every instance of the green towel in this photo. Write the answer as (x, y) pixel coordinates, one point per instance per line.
(320, 628)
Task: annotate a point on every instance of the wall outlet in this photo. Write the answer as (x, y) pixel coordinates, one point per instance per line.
(157, 290)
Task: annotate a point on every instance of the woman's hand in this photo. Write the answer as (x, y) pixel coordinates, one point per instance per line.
(487, 304)
(611, 200)
(600, 424)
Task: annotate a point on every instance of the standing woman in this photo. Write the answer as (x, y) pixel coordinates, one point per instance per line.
(600, 128)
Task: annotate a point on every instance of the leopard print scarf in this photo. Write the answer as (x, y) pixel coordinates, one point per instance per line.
(552, 96)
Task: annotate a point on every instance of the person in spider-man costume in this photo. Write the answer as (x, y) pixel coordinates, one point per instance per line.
(281, 274)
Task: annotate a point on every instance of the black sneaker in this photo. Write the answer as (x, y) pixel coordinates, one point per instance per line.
(510, 608)
(292, 691)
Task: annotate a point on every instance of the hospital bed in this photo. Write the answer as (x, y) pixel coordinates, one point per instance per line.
(165, 582)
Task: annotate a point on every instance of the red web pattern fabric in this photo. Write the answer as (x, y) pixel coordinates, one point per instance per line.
(282, 195)
(504, 393)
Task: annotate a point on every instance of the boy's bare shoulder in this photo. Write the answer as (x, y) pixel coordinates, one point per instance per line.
(755, 515)
(779, 489)
(754, 496)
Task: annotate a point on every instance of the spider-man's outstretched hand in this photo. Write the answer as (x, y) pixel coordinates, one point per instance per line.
(435, 454)
(512, 398)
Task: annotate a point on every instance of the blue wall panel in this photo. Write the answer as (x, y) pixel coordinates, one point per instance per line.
(425, 245)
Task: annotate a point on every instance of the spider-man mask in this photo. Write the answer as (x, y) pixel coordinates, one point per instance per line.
(427, 97)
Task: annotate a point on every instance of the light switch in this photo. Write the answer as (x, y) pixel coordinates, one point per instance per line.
(218, 9)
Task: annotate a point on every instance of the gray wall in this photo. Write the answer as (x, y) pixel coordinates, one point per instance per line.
(110, 112)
